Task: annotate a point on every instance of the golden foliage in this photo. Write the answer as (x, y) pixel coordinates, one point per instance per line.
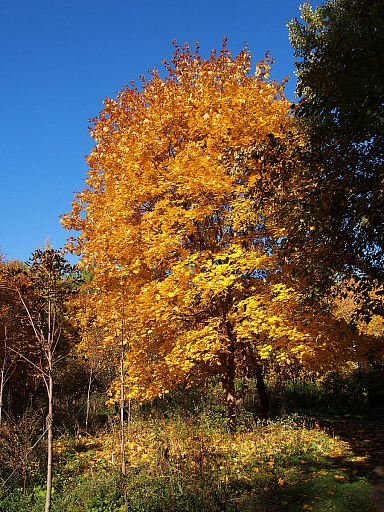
(177, 223)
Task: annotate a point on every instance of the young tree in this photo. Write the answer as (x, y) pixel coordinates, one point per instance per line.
(178, 206)
(336, 211)
(43, 290)
(99, 358)
(89, 351)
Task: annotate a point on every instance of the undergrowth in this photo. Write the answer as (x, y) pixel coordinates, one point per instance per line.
(180, 457)
(183, 463)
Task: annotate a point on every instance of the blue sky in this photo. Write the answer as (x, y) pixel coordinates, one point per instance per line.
(60, 58)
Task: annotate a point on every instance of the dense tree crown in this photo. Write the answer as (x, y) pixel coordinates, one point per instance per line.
(178, 225)
(339, 47)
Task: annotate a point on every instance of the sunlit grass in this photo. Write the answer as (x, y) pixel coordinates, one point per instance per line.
(195, 464)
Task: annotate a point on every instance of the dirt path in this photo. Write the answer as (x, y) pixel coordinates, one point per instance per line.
(377, 500)
(366, 438)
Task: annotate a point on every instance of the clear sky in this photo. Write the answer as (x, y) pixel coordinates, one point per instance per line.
(60, 58)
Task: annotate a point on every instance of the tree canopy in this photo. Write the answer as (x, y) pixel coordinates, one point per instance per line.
(339, 46)
(178, 224)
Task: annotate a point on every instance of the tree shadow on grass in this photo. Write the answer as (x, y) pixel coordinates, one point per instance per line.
(332, 484)
(365, 437)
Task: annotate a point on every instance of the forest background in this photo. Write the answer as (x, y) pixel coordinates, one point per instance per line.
(226, 239)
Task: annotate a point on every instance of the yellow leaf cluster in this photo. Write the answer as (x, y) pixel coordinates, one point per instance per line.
(176, 226)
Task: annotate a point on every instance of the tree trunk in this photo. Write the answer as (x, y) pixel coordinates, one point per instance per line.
(122, 384)
(228, 381)
(49, 427)
(90, 379)
(122, 396)
(263, 394)
(230, 398)
(2, 384)
(4, 374)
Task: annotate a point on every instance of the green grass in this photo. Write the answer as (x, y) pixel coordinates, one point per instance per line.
(181, 457)
(194, 464)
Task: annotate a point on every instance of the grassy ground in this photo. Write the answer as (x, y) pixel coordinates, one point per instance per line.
(186, 463)
(180, 456)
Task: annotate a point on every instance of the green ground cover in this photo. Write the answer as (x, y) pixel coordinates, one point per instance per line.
(181, 457)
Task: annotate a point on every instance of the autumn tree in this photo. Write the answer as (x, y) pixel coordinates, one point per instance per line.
(177, 223)
(15, 336)
(336, 227)
(42, 289)
(7, 364)
(345, 305)
(7, 316)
